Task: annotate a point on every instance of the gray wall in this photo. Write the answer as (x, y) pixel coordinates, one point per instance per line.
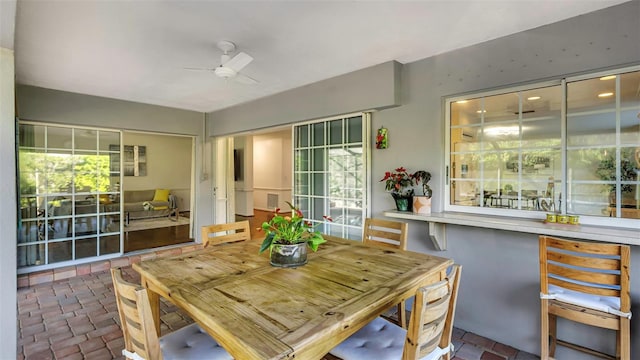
(500, 284)
(375, 87)
(39, 104)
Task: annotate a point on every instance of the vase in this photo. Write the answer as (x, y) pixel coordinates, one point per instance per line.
(289, 255)
(403, 202)
(421, 205)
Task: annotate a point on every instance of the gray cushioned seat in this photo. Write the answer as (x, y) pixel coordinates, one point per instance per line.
(380, 340)
(191, 342)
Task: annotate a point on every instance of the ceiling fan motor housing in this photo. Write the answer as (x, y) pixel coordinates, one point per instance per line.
(225, 72)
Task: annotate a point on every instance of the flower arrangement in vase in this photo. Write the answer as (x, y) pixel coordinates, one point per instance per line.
(400, 184)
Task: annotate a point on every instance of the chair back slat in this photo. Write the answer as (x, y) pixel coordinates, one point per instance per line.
(582, 246)
(385, 233)
(584, 261)
(584, 289)
(225, 233)
(577, 274)
(434, 321)
(432, 317)
(136, 320)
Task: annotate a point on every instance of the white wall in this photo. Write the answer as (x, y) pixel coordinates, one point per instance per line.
(8, 282)
(272, 169)
(168, 165)
(500, 285)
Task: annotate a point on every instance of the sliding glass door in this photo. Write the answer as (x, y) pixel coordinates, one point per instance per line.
(330, 173)
(69, 195)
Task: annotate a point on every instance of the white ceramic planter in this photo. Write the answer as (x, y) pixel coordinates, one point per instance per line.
(421, 205)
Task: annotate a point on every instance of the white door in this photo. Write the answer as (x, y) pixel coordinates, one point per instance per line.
(223, 191)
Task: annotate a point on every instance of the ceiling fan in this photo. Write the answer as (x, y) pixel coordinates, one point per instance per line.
(230, 66)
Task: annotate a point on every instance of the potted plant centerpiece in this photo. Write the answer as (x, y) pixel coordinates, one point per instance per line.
(400, 184)
(288, 236)
(422, 203)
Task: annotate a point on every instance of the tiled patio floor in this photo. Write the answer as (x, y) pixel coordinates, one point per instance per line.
(77, 318)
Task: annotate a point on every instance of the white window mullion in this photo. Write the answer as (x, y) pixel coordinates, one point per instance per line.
(563, 152)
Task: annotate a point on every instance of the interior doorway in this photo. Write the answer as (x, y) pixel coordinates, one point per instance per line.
(262, 174)
(156, 187)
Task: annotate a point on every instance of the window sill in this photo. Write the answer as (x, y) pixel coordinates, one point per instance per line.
(437, 224)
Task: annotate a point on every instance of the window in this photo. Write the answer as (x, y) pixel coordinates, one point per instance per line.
(69, 198)
(330, 173)
(571, 146)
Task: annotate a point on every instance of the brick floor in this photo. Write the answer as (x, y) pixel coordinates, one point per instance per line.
(77, 318)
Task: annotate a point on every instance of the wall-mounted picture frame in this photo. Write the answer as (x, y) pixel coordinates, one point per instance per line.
(134, 160)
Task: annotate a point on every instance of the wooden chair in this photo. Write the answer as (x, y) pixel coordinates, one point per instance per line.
(429, 333)
(140, 338)
(585, 282)
(385, 233)
(232, 232)
(391, 234)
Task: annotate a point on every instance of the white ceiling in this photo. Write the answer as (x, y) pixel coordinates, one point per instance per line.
(137, 50)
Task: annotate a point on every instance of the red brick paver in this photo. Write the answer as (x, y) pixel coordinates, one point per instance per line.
(77, 318)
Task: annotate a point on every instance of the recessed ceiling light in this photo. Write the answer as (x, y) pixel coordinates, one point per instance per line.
(502, 130)
(481, 111)
(462, 101)
(610, 77)
(607, 94)
(533, 98)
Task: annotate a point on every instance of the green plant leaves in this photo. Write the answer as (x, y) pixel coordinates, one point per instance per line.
(266, 243)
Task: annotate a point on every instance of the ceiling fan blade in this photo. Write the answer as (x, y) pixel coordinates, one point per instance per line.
(200, 69)
(244, 79)
(238, 62)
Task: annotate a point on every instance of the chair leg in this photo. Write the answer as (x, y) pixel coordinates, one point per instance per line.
(618, 343)
(553, 334)
(624, 340)
(402, 315)
(544, 329)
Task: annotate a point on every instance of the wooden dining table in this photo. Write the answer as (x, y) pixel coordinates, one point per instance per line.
(257, 311)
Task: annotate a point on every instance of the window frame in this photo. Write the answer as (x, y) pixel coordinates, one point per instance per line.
(564, 148)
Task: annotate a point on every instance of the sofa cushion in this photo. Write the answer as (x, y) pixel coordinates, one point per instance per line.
(161, 195)
(137, 206)
(159, 205)
(134, 196)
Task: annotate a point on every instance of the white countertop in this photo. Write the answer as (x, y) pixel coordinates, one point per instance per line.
(588, 232)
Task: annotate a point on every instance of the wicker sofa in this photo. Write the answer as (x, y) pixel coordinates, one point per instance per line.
(142, 204)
